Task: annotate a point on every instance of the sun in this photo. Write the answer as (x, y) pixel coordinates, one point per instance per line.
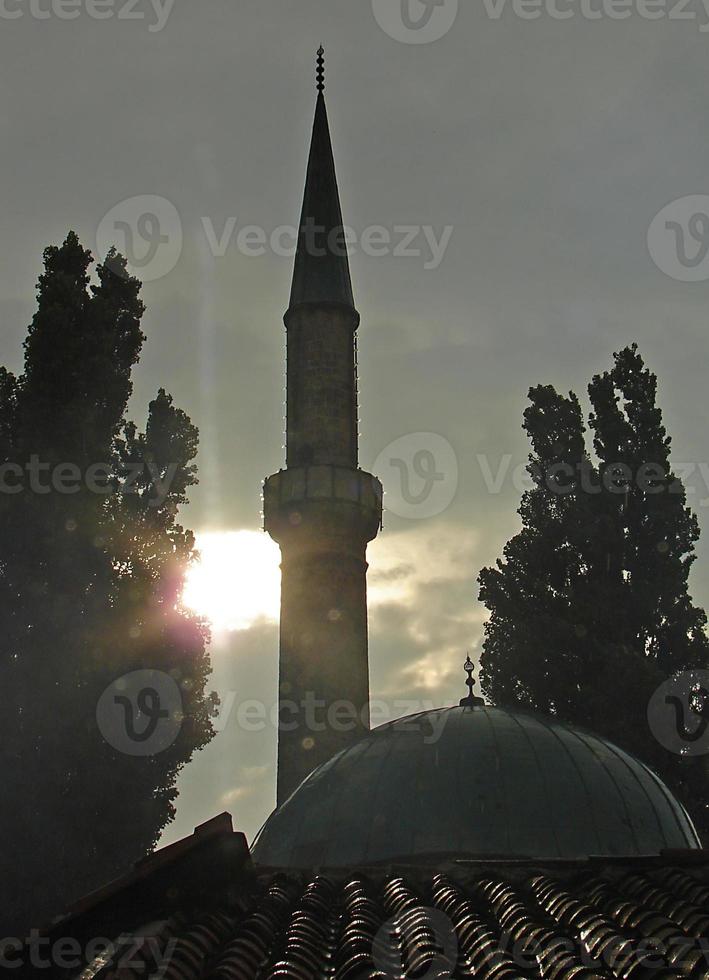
(236, 581)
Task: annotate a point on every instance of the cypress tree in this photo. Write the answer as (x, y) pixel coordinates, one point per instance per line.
(92, 563)
(589, 605)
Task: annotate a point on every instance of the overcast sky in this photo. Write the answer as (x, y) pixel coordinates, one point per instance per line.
(532, 156)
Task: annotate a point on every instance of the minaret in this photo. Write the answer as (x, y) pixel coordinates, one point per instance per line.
(322, 509)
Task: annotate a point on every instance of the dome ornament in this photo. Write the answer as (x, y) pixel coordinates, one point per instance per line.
(320, 72)
(472, 701)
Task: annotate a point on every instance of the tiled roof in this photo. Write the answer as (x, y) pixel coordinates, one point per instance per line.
(633, 925)
(631, 919)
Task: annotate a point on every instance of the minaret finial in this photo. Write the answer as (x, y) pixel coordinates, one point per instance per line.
(471, 701)
(320, 73)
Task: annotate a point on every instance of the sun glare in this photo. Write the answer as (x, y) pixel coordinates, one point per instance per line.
(236, 581)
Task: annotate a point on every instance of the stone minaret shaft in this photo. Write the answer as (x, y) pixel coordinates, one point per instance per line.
(322, 509)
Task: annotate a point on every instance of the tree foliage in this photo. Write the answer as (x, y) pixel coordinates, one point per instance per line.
(589, 604)
(91, 572)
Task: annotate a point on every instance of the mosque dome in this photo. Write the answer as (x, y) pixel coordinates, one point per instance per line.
(478, 782)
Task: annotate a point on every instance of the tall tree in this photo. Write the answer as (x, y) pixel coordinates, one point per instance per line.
(92, 561)
(589, 605)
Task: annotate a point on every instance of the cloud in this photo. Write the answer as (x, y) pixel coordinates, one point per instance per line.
(235, 794)
(549, 147)
(422, 626)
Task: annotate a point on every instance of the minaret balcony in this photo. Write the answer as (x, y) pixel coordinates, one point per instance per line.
(343, 498)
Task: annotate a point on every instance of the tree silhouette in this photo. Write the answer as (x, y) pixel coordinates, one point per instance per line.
(92, 562)
(589, 604)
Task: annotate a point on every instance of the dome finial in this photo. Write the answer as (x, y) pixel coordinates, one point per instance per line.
(320, 72)
(471, 701)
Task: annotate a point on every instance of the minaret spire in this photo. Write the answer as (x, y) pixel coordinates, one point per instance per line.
(322, 270)
(320, 70)
(321, 509)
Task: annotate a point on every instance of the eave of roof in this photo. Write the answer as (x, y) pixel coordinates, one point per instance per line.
(204, 905)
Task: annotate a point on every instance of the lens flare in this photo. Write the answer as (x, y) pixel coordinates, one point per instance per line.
(236, 581)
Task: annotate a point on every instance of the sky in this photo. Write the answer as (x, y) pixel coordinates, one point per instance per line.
(501, 165)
